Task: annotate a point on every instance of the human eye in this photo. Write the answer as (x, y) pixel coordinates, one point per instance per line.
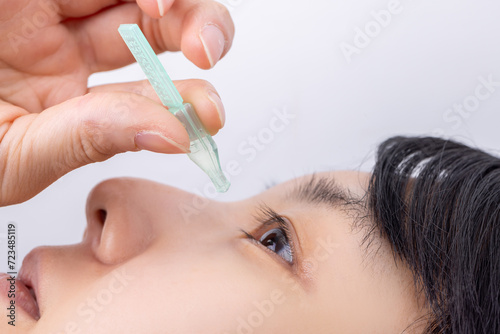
(274, 234)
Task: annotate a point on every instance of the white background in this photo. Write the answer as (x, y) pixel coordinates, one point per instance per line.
(287, 56)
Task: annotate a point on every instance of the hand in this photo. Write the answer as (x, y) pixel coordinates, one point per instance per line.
(51, 123)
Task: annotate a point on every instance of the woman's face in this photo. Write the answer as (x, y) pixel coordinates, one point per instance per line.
(155, 259)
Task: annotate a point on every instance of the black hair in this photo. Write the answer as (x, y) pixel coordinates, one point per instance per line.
(438, 203)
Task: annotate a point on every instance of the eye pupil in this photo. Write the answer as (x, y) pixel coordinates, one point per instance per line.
(270, 241)
(277, 242)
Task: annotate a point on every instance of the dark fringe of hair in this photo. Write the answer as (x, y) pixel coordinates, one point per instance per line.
(438, 203)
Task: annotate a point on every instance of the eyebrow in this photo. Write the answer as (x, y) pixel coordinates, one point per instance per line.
(323, 190)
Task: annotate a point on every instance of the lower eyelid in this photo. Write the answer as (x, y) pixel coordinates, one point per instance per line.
(273, 254)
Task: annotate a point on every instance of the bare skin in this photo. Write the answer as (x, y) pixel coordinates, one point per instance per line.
(51, 123)
(143, 266)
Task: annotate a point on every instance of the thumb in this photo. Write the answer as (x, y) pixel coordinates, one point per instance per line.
(40, 148)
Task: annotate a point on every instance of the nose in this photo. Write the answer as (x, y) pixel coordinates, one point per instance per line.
(125, 216)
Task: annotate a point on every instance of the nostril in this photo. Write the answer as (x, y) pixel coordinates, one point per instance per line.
(101, 215)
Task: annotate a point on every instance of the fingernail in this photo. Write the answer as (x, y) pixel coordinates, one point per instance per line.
(155, 142)
(161, 7)
(219, 106)
(213, 42)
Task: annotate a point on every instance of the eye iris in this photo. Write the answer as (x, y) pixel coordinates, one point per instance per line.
(277, 241)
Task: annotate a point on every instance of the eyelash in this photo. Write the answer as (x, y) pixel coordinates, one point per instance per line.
(268, 217)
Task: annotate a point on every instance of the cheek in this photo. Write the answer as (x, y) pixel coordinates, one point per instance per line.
(215, 292)
(342, 285)
(351, 296)
(211, 293)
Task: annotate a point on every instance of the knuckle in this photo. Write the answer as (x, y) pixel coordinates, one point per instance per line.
(98, 128)
(93, 146)
(92, 137)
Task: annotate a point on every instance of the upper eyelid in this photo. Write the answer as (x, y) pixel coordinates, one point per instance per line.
(267, 216)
